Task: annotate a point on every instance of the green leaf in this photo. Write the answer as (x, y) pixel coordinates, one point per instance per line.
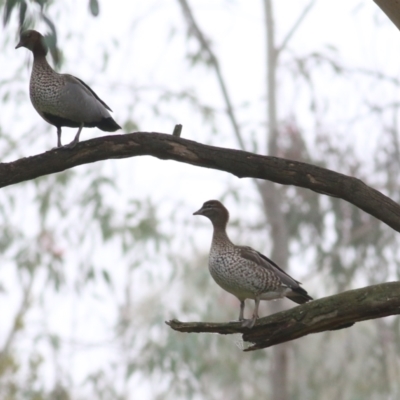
(107, 277)
(22, 13)
(94, 7)
(10, 4)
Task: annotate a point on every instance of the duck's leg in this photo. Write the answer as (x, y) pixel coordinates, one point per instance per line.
(58, 136)
(76, 139)
(241, 313)
(249, 323)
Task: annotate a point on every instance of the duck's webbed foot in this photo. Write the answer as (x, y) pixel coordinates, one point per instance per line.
(76, 139)
(71, 145)
(249, 323)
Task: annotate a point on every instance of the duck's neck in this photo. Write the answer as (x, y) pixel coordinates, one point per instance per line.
(40, 64)
(39, 54)
(220, 234)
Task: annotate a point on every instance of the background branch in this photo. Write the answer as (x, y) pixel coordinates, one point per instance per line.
(328, 313)
(296, 26)
(239, 163)
(213, 61)
(18, 319)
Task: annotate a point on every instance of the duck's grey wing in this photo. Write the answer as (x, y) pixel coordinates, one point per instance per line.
(75, 80)
(265, 262)
(298, 294)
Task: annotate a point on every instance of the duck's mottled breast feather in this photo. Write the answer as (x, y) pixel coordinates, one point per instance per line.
(238, 275)
(45, 89)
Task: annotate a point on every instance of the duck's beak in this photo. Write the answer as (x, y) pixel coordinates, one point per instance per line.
(20, 44)
(199, 212)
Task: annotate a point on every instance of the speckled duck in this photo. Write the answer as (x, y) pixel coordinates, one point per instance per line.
(62, 99)
(243, 271)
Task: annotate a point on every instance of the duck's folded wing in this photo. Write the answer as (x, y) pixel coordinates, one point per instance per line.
(70, 79)
(258, 258)
(298, 294)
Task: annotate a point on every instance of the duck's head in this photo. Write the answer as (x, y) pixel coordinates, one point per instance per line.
(34, 41)
(215, 211)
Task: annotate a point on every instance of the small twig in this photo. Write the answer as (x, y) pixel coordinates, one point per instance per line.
(177, 130)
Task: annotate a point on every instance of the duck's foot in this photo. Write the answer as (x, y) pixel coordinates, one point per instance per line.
(71, 145)
(249, 323)
(58, 147)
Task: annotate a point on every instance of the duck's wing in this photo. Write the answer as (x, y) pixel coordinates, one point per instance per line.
(250, 254)
(70, 79)
(298, 294)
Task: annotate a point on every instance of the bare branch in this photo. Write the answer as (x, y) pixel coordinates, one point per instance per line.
(177, 130)
(239, 163)
(296, 26)
(329, 313)
(213, 60)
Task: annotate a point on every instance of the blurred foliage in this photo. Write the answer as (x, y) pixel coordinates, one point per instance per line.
(30, 11)
(26, 19)
(74, 234)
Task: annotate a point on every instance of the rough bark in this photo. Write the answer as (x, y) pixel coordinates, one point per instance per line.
(329, 313)
(239, 163)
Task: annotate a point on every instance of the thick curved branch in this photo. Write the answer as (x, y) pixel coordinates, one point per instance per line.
(392, 9)
(237, 162)
(329, 313)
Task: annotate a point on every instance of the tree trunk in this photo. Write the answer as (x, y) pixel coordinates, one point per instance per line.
(271, 198)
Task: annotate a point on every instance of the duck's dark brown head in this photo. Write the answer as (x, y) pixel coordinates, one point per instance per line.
(33, 41)
(216, 212)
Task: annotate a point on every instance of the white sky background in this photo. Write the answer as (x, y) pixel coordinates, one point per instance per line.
(144, 54)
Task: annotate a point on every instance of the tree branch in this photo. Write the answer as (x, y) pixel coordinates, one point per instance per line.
(329, 313)
(239, 163)
(392, 9)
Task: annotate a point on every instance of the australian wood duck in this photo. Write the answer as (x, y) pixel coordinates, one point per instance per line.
(62, 99)
(244, 272)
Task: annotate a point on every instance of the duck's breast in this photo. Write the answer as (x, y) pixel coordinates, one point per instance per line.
(236, 275)
(45, 89)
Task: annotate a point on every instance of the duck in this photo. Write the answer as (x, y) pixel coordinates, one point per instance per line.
(63, 99)
(243, 271)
